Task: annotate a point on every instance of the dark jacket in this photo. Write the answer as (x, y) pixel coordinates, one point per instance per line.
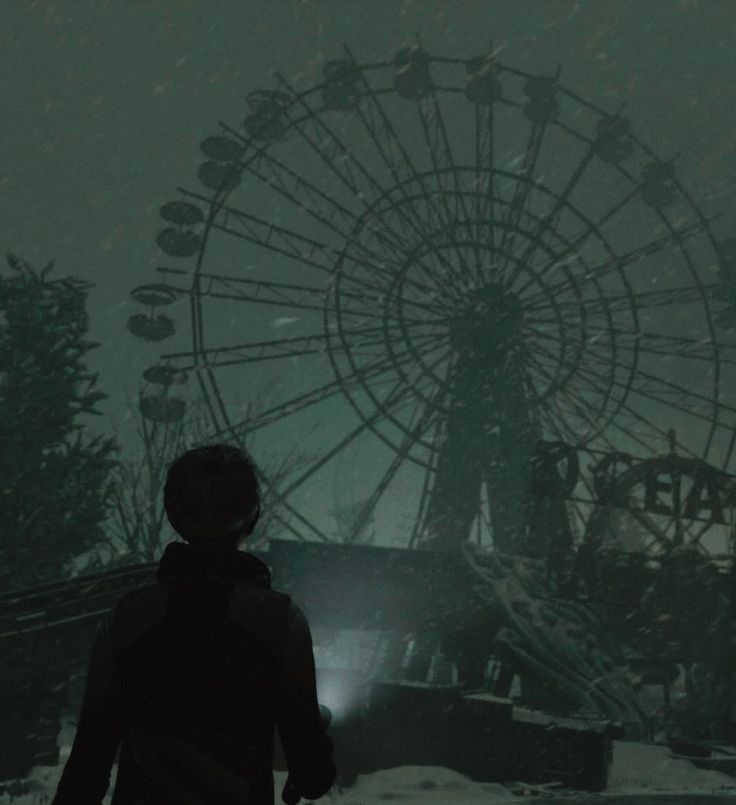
(188, 677)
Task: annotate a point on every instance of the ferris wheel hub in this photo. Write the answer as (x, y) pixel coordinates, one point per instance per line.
(492, 316)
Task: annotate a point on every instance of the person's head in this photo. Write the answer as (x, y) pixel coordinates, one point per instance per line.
(212, 496)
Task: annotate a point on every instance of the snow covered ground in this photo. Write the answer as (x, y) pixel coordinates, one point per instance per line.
(640, 772)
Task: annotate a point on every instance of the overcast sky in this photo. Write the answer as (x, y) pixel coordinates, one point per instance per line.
(104, 104)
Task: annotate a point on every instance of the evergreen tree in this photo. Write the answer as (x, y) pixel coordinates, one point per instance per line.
(54, 484)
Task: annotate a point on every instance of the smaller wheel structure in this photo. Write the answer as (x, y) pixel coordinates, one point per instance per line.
(658, 553)
(662, 504)
(431, 265)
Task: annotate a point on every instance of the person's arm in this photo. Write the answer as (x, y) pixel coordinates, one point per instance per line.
(86, 776)
(307, 747)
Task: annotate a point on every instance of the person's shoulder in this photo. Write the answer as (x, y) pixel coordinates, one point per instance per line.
(296, 617)
(136, 612)
(256, 597)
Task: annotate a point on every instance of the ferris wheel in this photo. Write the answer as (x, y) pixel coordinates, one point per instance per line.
(434, 265)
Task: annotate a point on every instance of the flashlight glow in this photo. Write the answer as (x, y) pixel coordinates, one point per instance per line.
(342, 690)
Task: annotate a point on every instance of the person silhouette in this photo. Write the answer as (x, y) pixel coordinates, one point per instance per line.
(189, 676)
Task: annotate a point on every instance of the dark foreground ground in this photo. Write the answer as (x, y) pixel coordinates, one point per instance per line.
(636, 799)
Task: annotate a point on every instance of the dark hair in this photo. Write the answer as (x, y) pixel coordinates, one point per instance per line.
(212, 492)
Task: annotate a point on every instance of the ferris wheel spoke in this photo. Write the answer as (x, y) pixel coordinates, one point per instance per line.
(422, 368)
(391, 150)
(284, 409)
(581, 405)
(275, 238)
(424, 497)
(265, 233)
(450, 219)
(435, 445)
(581, 410)
(530, 384)
(276, 498)
(289, 527)
(281, 240)
(333, 152)
(417, 324)
(684, 395)
(562, 431)
(668, 346)
(381, 293)
(614, 262)
(593, 228)
(380, 405)
(282, 174)
(647, 299)
(661, 340)
(565, 325)
(669, 403)
(535, 237)
(289, 184)
(532, 328)
(537, 359)
(398, 395)
(297, 347)
(399, 163)
(533, 332)
(341, 445)
(619, 205)
(279, 348)
(305, 250)
(425, 374)
(345, 165)
(321, 393)
(484, 155)
(646, 344)
(566, 331)
(619, 262)
(261, 292)
(560, 361)
(632, 411)
(629, 434)
(410, 439)
(443, 162)
(522, 191)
